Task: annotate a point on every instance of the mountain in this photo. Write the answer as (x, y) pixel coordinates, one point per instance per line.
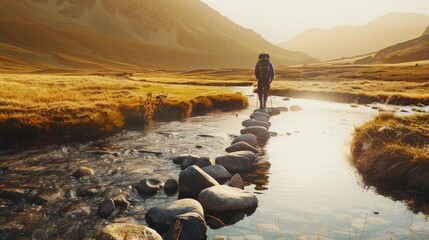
(346, 41)
(426, 32)
(127, 34)
(413, 50)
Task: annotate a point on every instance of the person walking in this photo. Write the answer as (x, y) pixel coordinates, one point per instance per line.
(264, 73)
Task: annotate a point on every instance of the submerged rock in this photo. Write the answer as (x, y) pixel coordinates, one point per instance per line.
(121, 231)
(189, 226)
(259, 114)
(82, 172)
(241, 146)
(247, 138)
(224, 198)
(161, 217)
(218, 172)
(106, 208)
(283, 109)
(193, 180)
(171, 186)
(149, 187)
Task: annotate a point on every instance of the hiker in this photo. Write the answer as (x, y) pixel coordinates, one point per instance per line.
(264, 73)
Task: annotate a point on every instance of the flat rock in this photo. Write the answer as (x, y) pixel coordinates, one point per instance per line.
(253, 122)
(121, 231)
(82, 172)
(259, 114)
(247, 138)
(218, 172)
(193, 180)
(236, 161)
(189, 226)
(161, 217)
(258, 131)
(179, 159)
(241, 146)
(224, 198)
(171, 186)
(106, 208)
(149, 187)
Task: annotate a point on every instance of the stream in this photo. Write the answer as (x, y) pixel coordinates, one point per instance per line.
(306, 187)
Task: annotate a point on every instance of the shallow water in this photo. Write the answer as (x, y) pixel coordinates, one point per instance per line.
(306, 189)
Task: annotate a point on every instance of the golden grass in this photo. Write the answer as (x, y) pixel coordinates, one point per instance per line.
(393, 152)
(34, 106)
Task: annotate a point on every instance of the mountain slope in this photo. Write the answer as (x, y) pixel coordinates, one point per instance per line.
(413, 50)
(426, 32)
(346, 41)
(127, 34)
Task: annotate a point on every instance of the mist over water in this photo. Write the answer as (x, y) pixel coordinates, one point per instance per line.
(305, 189)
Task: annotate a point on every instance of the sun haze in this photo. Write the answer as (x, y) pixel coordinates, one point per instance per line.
(280, 20)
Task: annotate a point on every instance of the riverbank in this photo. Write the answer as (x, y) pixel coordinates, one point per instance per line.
(46, 107)
(392, 152)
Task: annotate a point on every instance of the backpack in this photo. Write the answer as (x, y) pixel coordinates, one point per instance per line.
(264, 68)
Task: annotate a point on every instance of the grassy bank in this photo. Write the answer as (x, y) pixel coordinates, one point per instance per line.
(392, 153)
(60, 107)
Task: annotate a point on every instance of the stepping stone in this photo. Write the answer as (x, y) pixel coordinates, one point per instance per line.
(241, 146)
(193, 180)
(247, 138)
(224, 198)
(218, 172)
(179, 159)
(189, 226)
(237, 161)
(253, 122)
(258, 131)
(295, 108)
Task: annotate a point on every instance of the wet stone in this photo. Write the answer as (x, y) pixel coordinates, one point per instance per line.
(253, 122)
(247, 138)
(234, 162)
(106, 208)
(179, 159)
(171, 186)
(258, 131)
(121, 231)
(189, 226)
(149, 187)
(224, 198)
(241, 146)
(161, 217)
(218, 172)
(193, 180)
(273, 111)
(82, 172)
(236, 181)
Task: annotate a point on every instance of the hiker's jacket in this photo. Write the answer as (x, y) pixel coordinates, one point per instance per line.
(270, 75)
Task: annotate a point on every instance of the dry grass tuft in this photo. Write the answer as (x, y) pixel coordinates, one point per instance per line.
(393, 153)
(54, 107)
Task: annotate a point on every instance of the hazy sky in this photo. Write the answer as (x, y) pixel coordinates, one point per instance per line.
(279, 20)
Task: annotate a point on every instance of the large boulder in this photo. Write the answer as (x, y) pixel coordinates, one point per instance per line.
(193, 180)
(237, 161)
(189, 226)
(258, 131)
(241, 146)
(224, 198)
(253, 122)
(149, 187)
(179, 159)
(161, 217)
(247, 138)
(218, 172)
(121, 231)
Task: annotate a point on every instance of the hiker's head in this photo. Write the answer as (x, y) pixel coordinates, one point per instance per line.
(264, 55)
